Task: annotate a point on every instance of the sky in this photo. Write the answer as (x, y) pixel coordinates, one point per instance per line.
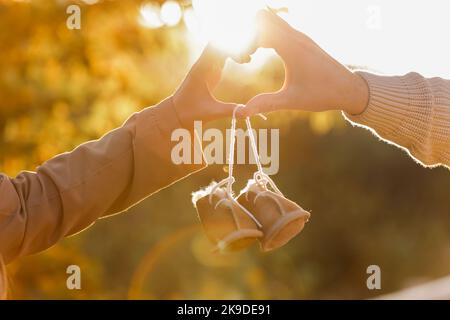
(387, 36)
(391, 37)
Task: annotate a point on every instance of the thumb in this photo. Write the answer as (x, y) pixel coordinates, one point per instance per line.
(266, 102)
(218, 110)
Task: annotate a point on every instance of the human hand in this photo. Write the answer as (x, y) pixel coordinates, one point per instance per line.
(193, 100)
(314, 81)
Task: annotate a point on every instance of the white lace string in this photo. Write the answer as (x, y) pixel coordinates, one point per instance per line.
(231, 152)
(259, 176)
(253, 145)
(230, 179)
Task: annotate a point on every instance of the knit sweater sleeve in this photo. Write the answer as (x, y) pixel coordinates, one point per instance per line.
(411, 112)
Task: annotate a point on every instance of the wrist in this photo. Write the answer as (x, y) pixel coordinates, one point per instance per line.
(179, 106)
(358, 95)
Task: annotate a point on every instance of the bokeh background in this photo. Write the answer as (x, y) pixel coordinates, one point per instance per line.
(370, 203)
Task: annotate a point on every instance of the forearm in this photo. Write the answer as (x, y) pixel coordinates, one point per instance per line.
(410, 111)
(69, 192)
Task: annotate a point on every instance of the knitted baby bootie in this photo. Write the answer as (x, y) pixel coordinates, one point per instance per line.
(281, 219)
(226, 223)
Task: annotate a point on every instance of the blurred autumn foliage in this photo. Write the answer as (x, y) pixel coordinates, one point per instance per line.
(370, 203)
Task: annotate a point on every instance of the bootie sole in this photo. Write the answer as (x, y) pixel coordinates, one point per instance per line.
(286, 228)
(238, 240)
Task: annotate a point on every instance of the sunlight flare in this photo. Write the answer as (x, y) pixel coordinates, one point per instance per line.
(228, 25)
(171, 13)
(149, 16)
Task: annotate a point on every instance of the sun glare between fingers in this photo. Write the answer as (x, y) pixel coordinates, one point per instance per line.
(228, 25)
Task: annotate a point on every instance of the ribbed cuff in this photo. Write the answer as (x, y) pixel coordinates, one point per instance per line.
(400, 110)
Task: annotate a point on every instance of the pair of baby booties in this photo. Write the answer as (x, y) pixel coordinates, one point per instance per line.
(257, 213)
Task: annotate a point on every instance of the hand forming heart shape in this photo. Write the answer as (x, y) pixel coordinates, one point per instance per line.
(314, 81)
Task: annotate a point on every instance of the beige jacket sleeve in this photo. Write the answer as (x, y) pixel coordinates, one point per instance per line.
(410, 111)
(69, 192)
